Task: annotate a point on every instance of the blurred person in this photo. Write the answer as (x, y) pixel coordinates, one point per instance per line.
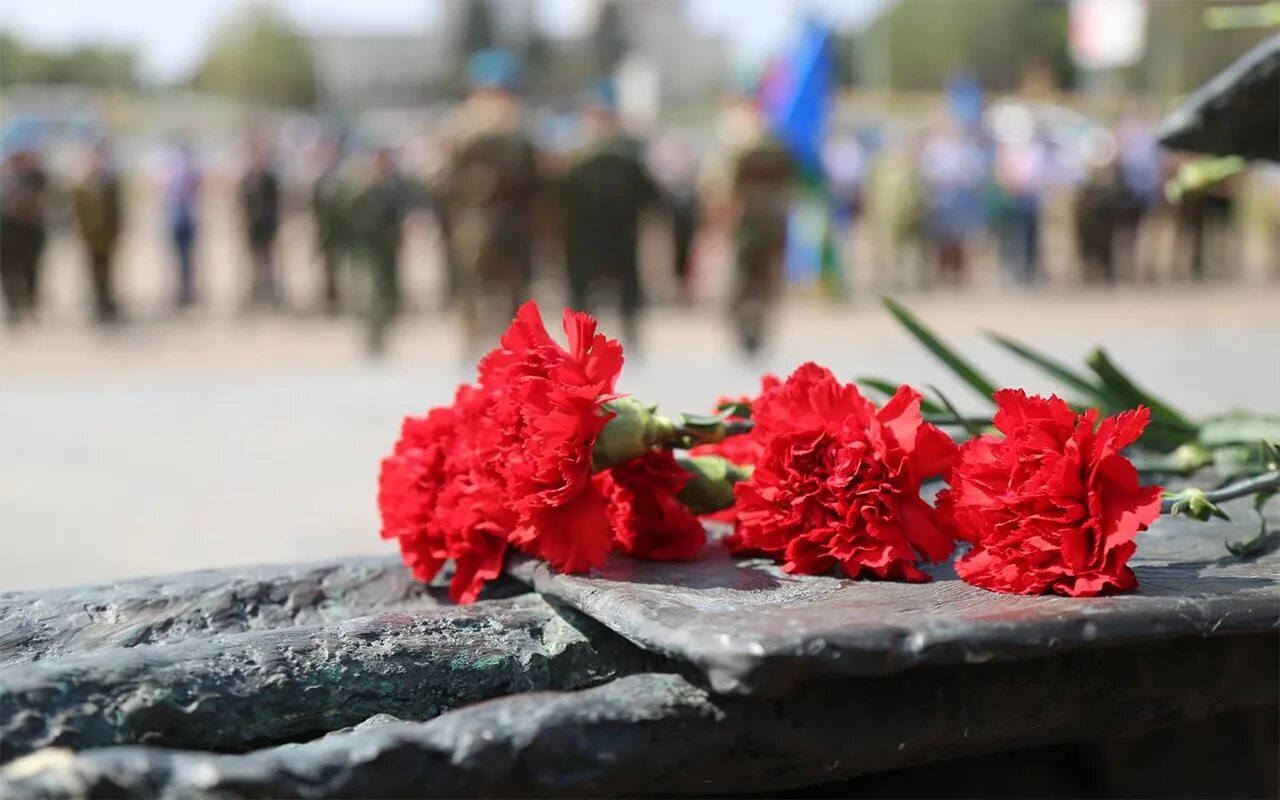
(756, 184)
(1019, 175)
(375, 223)
(605, 191)
(259, 195)
(23, 186)
(329, 205)
(181, 179)
(99, 213)
(894, 206)
(488, 194)
(1098, 204)
(674, 168)
(845, 163)
(1203, 216)
(952, 171)
(1141, 177)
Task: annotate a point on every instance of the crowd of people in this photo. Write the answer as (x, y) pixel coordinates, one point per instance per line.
(924, 200)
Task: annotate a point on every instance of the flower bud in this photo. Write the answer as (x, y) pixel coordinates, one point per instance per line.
(711, 480)
(1194, 503)
(634, 430)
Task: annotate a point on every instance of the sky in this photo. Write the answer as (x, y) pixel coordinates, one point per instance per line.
(170, 34)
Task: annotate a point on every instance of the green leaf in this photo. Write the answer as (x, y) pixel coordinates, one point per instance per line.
(1235, 460)
(963, 369)
(701, 420)
(1131, 395)
(735, 408)
(1055, 369)
(1239, 427)
(889, 389)
(969, 427)
(1258, 543)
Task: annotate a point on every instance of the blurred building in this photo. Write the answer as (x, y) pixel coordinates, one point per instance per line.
(407, 68)
(690, 65)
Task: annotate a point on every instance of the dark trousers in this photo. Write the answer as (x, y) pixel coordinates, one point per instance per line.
(20, 249)
(262, 290)
(100, 277)
(184, 241)
(1020, 241)
(331, 265)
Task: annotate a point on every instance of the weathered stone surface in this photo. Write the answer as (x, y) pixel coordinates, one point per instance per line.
(751, 627)
(237, 691)
(49, 624)
(658, 734)
(1236, 113)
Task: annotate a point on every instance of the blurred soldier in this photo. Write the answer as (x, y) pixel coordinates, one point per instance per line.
(181, 179)
(952, 174)
(487, 196)
(605, 191)
(675, 170)
(1097, 211)
(329, 207)
(759, 184)
(99, 217)
(260, 206)
(22, 231)
(374, 223)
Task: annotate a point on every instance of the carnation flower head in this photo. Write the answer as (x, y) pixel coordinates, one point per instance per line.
(837, 481)
(1052, 506)
(441, 499)
(648, 519)
(410, 484)
(547, 409)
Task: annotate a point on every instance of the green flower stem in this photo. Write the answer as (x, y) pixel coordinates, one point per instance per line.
(1266, 482)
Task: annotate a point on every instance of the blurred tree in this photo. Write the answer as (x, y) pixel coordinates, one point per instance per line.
(85, 65)
(1182, 52)
(258, 55)
(920, 45)
(609, 37)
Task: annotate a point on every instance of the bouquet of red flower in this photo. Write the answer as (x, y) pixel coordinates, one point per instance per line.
(541, 454)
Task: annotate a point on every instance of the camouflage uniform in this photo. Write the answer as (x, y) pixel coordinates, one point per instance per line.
(22, 233)
(329, 206)
(260, 202)
(603, 194)
(99, 217)
(487, 197)
(375, 222)
(763, 179)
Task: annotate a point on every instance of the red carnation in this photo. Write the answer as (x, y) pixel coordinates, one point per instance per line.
(1053, 506)
(649, 521)
(410, 483)
(838, 482)
(440, 498)
(547, 410)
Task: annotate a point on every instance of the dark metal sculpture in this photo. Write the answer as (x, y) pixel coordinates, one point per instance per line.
(711, 676)
(1236, 113)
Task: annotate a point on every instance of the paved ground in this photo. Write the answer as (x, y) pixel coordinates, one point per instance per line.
(176, 445)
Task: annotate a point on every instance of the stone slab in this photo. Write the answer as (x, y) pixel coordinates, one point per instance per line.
(45, 624)
(660, 734)
(234, 692)
(752, 628)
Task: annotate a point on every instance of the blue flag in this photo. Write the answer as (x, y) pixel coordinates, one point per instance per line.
(800, 104)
